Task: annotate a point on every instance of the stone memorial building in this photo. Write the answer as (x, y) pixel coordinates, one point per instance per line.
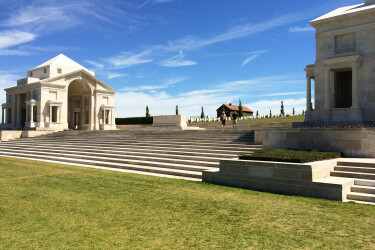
(344, 70)
(59, 94)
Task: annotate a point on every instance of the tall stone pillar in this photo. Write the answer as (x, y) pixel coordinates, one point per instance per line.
(326, 89)
(2, 115)
(308, 94)
(355, 86)
(19, 110)
(14, 112)
(50, 113)
(31, 112)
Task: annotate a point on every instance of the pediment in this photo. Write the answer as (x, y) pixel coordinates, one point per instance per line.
(80, 75)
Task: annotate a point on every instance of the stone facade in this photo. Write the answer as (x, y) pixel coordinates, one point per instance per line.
(344, 68)
(59, 94)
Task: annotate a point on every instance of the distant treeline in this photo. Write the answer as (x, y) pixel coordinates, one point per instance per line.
(133, 120)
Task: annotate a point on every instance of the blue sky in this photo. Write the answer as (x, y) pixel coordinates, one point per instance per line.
(164, 53)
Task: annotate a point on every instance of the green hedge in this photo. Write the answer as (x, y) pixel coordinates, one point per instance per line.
(295, 156)
(134, 120)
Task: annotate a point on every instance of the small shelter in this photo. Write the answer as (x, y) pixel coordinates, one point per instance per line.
(229, 110)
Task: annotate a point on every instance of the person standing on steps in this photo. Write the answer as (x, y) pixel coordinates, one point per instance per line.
(234, 118)
(223, 118)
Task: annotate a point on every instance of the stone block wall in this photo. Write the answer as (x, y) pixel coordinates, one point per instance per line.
(354, 142)
(282, 178)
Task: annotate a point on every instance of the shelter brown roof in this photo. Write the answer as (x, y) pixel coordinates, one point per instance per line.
(235, 108)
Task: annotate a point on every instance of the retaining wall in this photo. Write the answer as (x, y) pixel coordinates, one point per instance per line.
(353, 142)
(309, 179)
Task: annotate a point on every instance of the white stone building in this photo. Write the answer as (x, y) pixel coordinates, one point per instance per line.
(344, 70)
(59, 94)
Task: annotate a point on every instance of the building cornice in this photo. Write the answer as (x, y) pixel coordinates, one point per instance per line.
(356, 59)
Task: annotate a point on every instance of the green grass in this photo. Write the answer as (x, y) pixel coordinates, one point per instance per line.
(49, 206)
(296, 118)
(286, 155)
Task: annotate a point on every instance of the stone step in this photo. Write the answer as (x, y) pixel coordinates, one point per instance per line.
(353, 175)
(169, 171)
(140, 149)
(161, 141)
(361, 197)
(361, 202)
(355, 169)
(356, 164)
(135, 160)
(367, 183)
(187, 136)
(363, 189)
(242, 149)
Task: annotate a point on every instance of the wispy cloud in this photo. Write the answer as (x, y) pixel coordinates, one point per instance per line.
(296, 29)
(253, 55)
(189, 43)
(38, 16)
(249, 59)
(95, 64)
(285, 93)
(111, 75)
(167, 83)
(177, 61)
(127, 59)
(11, 38)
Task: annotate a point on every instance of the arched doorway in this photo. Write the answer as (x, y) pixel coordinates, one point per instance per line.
(79, 105)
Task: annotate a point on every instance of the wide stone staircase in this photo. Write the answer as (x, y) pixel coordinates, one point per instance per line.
(363, 174)
(175, 154)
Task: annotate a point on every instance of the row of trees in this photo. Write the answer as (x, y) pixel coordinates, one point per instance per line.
(240, 110)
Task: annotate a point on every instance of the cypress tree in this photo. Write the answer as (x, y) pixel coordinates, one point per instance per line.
(240, 109)
(293, 111)
(202, 113)
(147, 112)
(176, 109)
(270, 113)
(282, 113)
(257, 114)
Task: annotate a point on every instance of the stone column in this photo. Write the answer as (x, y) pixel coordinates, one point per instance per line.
(2, 115)
(308, 94)
(50, 113)
(19, 110)
(326, 88)
(27, 112)
(355, 86)
(103, 115)
(31, 112)
(59, 121)
(14, 112)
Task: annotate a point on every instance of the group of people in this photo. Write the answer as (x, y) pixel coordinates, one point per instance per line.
(223, 118)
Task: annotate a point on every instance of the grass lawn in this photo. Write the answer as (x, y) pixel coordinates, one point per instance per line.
(296, 118)
(46, 205)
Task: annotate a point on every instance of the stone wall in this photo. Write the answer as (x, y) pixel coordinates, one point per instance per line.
(353, 142)
(308, 179)
(6, 135)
